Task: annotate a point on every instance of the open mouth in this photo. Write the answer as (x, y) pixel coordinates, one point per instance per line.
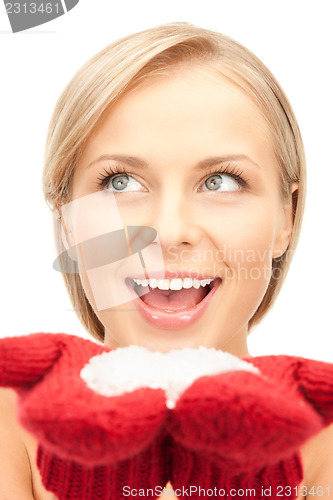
(173, 294)
(173, 303)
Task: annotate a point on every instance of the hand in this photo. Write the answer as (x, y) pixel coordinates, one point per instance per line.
(90, 446)
(242, 430)
(238, 429)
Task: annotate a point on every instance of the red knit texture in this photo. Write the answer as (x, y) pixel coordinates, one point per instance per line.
(233, 430)
(70, 480)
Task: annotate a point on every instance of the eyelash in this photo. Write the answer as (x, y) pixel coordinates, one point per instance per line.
(106, 176)
(232, 171)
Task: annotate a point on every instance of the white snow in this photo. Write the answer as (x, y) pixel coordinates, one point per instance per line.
(129, 368)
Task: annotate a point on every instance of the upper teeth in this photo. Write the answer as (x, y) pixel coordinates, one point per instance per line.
(173, 284)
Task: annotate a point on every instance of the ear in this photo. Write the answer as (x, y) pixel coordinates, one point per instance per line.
(285, 231)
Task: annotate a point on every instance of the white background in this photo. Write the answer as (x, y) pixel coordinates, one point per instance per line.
(294, 38)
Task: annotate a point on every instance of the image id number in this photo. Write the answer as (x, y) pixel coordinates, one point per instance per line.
(287, 491)
(31, 8)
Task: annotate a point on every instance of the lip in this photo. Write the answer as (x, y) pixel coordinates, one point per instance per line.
(180, 319)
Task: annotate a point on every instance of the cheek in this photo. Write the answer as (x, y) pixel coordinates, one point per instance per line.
(245, 240)
(246, 244)
(249, 247)
(245, 233)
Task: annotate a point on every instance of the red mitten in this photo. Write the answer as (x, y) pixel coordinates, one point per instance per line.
(90, 446)
(231, 424)
(243, 430)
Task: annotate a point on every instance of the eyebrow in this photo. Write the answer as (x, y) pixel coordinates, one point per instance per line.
(141, 164)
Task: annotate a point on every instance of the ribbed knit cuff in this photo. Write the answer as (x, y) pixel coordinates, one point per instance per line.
(72, 481)
(194, 476)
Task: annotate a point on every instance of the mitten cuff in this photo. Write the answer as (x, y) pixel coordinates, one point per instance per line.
(195, 476)
(70, 480)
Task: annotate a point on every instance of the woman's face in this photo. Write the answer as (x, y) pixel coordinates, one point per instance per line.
(196, 163)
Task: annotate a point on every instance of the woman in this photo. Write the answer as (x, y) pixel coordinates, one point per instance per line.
(194, 138)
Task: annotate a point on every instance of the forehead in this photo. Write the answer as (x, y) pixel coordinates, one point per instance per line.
(192, 112)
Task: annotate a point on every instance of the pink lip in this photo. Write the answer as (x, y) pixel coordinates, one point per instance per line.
(179, 319)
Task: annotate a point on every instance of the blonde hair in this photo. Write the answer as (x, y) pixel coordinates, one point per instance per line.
(128, 63)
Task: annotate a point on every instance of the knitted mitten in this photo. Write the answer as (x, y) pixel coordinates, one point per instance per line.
(243, 431)
(90, 446)
(241, 428)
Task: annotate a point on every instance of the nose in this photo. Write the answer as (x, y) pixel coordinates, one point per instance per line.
(176, 221)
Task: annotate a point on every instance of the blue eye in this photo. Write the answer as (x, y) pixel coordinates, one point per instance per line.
(221, 182)
(119, 181)
(123, 182)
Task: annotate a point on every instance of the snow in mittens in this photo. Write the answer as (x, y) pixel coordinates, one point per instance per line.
(129, 368)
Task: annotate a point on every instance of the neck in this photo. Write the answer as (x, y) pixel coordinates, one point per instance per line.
(238, 344)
